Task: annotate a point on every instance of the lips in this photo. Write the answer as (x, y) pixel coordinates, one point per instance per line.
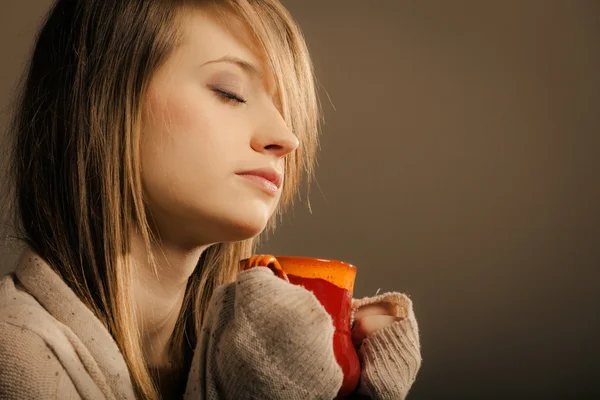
(269, 174)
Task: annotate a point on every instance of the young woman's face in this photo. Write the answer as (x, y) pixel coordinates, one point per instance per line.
(210, 117)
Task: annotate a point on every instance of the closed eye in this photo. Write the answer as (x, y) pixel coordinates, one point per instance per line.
(228, 97)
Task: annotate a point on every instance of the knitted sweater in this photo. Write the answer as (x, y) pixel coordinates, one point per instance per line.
(53, 347)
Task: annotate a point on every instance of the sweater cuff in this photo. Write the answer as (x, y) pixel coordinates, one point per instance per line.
(390, 357)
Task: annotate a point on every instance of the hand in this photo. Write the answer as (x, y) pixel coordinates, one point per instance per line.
(386, 336)
(264, 338)
(370, 319)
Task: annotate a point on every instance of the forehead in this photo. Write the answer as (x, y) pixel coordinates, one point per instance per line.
(209, 34)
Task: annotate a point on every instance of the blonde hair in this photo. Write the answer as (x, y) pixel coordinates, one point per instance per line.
(76, 162)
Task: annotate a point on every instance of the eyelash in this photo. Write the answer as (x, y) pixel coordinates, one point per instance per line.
(229, 97)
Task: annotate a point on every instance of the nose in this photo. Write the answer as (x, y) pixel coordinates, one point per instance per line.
(273, 136)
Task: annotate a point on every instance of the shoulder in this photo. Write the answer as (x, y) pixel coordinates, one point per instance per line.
(19, 310)
(29, 367)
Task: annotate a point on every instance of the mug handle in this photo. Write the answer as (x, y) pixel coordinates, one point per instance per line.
(264, 260)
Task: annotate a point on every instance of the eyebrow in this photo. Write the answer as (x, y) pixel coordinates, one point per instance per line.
(245, 65)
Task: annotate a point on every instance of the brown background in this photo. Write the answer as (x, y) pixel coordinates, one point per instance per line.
(459, 164)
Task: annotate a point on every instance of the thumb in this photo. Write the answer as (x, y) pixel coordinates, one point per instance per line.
(366, 326)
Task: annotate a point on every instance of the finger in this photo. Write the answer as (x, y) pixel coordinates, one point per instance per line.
(365, 327)
(358, 335)
(382, 308)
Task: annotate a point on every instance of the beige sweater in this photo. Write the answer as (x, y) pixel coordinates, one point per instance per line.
(53, 347)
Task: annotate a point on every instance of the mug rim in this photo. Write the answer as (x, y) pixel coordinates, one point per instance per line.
(317, 259)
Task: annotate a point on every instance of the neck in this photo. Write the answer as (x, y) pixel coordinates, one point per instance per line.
(158, 297)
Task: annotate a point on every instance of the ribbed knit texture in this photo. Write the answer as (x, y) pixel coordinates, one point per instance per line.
(263, 339)
(391, 357)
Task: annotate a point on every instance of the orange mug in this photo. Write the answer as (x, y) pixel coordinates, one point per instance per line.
(332, 283)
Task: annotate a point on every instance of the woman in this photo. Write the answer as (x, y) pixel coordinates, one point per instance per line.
(151, 143)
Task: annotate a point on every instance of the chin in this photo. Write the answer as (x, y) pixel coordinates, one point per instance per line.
(247, 223)
(234, 228)
(225, 223)
(245, 229)
(244, 234)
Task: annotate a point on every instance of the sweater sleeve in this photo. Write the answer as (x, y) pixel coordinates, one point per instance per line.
(391, 357)
(264, 339)
(29, 369)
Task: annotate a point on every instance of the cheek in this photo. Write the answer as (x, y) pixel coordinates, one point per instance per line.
(186, 114)
(176, 148)
(183, 119)
(192, 146)
(181, 134)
